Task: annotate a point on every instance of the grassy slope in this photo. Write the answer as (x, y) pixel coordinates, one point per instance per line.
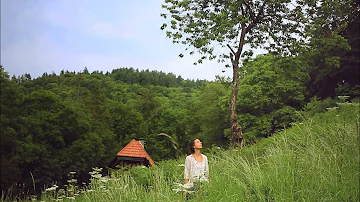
(315, 160)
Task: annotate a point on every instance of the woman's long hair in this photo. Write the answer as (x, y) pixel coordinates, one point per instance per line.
(191, 146)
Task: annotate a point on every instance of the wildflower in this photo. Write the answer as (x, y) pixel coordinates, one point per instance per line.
(104, 180)
(181, 165)
(71, 197)
(96, 169)
(184, 187)
(343, 97)
(72, 180)
(188, 185)
(98, 176)
(53, 188)
(177, 190)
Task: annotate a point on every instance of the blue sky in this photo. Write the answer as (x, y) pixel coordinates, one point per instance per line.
(40, 36)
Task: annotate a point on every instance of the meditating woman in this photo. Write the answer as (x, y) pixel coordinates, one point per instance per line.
(196, 166)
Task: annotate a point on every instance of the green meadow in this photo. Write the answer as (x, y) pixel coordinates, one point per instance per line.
(317, 159)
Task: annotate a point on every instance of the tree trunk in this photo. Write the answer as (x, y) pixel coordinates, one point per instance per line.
(235, 127)
(237, 136)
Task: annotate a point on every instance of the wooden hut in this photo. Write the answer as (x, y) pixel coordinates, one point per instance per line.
(133, 154)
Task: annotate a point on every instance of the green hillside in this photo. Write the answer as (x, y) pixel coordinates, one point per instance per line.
(317, 159)
(280, 129)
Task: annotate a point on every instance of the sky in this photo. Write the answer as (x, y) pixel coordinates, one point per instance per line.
(39, 36)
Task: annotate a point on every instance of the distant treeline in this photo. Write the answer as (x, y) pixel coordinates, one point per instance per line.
(132, 76)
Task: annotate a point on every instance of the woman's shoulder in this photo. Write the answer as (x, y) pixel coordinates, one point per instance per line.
(189, 156)
(204, 156)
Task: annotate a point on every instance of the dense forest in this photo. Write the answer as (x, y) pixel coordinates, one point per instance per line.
(73, 121)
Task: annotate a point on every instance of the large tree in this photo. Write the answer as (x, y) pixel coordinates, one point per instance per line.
(204, 25)
(333, 49)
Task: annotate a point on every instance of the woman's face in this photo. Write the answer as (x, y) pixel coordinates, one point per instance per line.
(197, 144)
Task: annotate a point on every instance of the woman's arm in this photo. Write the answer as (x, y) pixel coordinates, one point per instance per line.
(186, 173)
(187, 170)
(206, 167)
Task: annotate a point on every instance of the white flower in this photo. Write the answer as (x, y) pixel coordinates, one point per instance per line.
(98, 176)
(177, 190)
(184, 187)
(53, 188)
(104, 180)
(188, 185)
(72, 180)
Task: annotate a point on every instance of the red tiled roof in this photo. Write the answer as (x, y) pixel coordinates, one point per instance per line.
(135, 149)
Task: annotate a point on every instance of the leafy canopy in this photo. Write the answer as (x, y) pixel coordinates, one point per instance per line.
(207, 25)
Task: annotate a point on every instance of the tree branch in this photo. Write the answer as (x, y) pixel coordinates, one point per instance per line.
(249, 9)
(231, 49)
(257, 18)
(241, 42)
(242, 11)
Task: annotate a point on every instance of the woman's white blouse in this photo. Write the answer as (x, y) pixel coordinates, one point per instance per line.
(196, 171)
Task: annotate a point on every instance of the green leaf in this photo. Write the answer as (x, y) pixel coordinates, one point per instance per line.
(163, 15)
(176, 17)
(163, 26)
(168, 34)
(174, 11)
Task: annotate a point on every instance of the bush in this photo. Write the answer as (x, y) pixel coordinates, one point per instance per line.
(317, 106)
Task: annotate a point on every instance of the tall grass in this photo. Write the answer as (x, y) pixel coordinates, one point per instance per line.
(315, 160)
